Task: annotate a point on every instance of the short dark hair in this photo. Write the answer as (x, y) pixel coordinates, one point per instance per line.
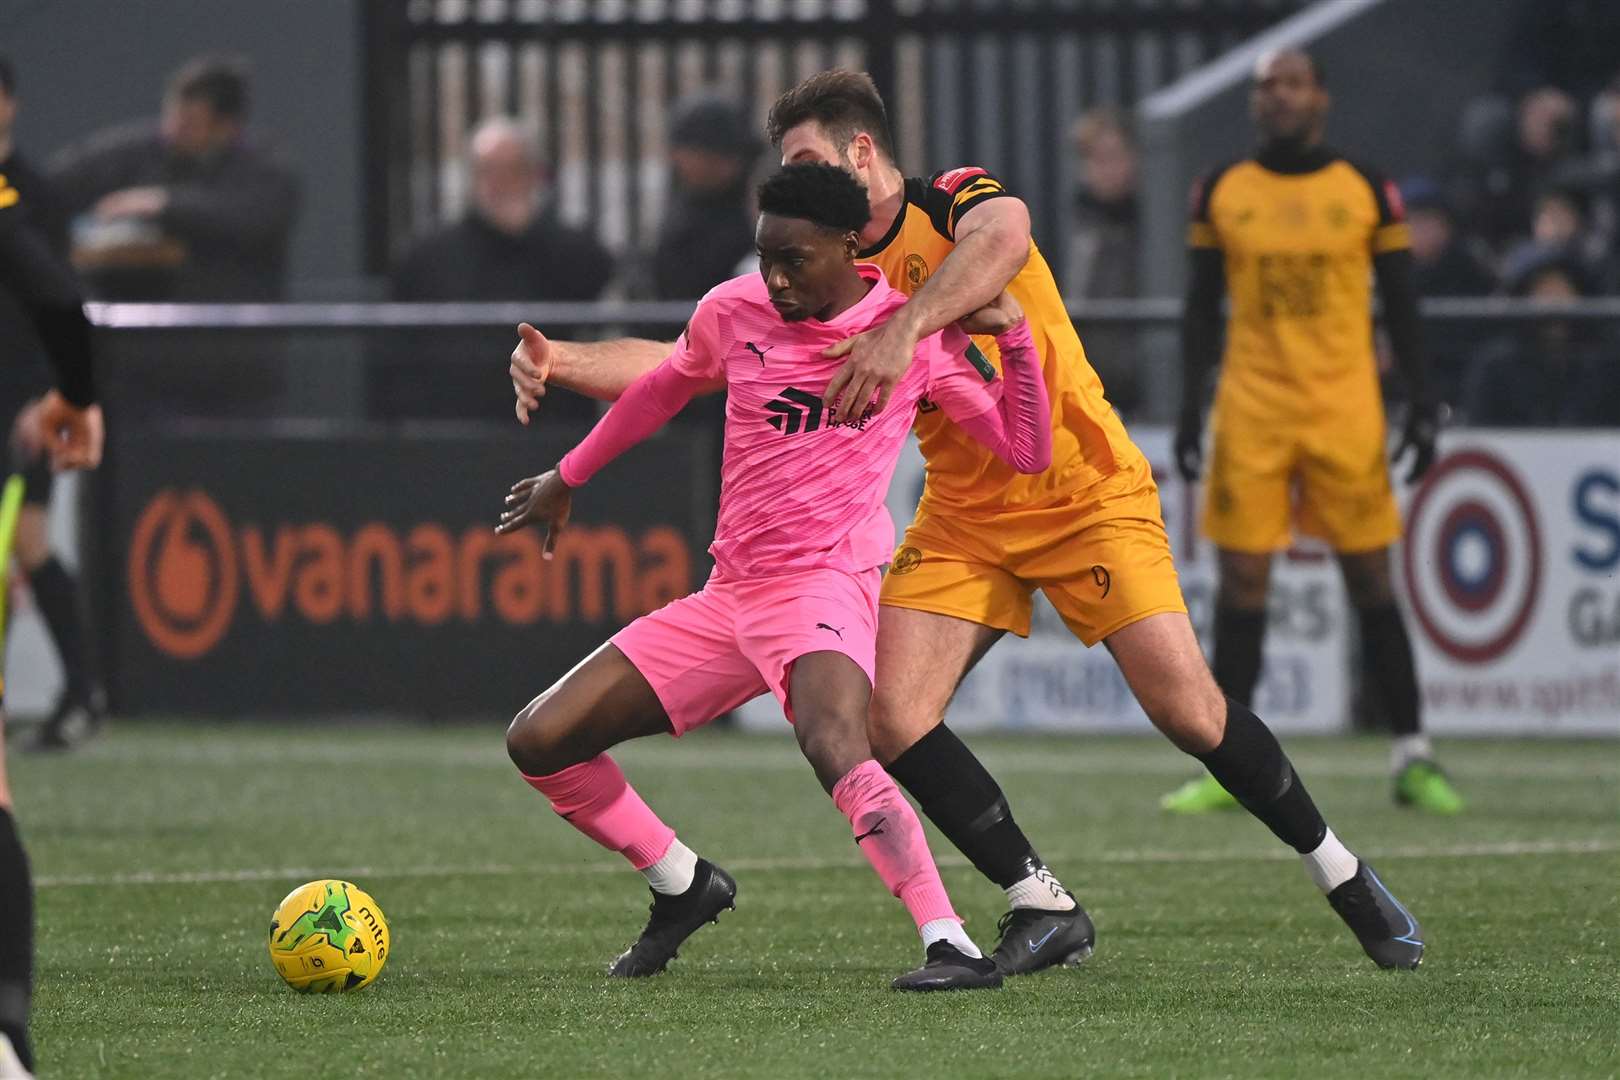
(822, 194)
(220, 81)
(843, 102)
(1318, 72)
(8, 75)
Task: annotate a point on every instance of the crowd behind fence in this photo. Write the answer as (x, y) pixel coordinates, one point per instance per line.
(1499, 362)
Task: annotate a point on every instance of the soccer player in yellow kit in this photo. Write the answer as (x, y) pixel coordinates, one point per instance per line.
(1087, 533)
(1296, 235)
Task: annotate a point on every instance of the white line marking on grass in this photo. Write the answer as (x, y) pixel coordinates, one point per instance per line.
(1077, 759)
(1513, 849)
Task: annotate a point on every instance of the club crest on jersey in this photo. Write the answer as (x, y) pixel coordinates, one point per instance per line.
(916, 270)
(951, 182)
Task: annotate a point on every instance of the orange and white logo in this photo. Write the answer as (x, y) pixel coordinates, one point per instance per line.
(182, 573)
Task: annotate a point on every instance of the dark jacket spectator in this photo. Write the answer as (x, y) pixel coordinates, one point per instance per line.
(1509, 156)
(509, 246)
(187, 209)
(706, 228)
(1551, 373)
(1444, 265)
(1102, 262)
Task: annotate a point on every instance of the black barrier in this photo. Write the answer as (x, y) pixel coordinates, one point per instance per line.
(265, 573)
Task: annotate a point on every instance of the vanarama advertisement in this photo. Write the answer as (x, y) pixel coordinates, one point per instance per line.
(365, 573)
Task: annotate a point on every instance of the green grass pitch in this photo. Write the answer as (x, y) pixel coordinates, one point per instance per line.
(160, 852)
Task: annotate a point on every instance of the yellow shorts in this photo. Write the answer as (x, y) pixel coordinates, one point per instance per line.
(1103, 562)
(1327, 480)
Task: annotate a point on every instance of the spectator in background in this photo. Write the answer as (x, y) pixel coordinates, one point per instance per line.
(1509, 157)
(1443, 265)
(510, 245)
(1550, 373)
(705, 229)
(1102, 256)
(187, 209)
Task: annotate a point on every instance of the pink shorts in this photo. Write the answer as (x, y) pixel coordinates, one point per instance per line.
(707, 653)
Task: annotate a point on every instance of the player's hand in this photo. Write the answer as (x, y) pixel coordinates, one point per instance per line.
(531, 365)
(1189, 446)
(27, 432)
(1418, 438)
(995, 318)
(135, 202)
(72, 436)
(543, 500)
(878, 359)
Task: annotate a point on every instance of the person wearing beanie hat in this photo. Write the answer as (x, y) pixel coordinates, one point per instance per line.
(706, 227)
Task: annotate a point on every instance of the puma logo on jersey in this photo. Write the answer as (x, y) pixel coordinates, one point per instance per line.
(757, 351)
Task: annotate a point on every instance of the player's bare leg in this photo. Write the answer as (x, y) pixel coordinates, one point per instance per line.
(921, 659)
(1161, 661)
(1390, 678)
(828, 696)
(1240, 628)
(559, 743)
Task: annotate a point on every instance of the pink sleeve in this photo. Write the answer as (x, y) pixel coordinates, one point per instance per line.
(697, 350)
(645, 406)
(1017, 427)
(694, 367)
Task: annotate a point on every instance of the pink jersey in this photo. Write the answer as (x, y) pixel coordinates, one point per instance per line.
(796, 492)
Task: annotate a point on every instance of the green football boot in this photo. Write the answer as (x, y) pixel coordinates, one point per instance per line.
(1423, 785)
(1198, 796)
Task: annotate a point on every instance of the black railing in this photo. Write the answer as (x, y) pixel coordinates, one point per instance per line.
(993, 82)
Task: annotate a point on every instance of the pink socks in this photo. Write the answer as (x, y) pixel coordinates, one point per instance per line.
(890, 836)
(595, 798)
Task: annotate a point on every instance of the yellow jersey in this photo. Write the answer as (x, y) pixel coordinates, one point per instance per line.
(1089, 442)
(1298, 249)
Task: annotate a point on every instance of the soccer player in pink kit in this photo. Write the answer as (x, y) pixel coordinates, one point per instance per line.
(791, 607)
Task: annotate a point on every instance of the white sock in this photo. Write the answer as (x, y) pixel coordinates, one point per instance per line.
(673, 874)
(1407, 749)
(1042, 891)
(948, 930)
(1331, 864)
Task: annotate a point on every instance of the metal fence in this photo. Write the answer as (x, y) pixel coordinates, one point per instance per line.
(352, 363)
(994, 82)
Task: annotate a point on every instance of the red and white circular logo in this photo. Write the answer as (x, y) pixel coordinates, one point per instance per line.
(1473, 557)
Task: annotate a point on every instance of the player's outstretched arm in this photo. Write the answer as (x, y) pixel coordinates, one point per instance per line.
(596, 369)
(1017, 428)
(67, 421)
(1200, 353)
(642, 409)
(992, 245)
(1397, 292)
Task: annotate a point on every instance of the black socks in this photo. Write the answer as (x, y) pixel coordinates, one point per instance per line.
(1238, 636)
(1387, 669)
(57, 596)
(16, 939)
(965, 802)
(1250, 763)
